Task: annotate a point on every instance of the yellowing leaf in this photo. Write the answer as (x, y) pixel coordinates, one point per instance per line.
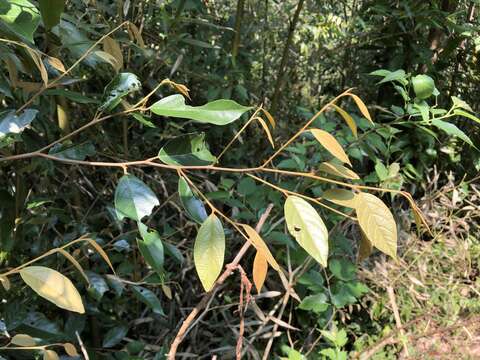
(56, 63)
(70, 349)
(39, 64)
(331, 144)
(5, 282)
(270, 118)
(306, 226)
(50, 355)
(101, 252)
(209, 251)
(348, 119)
(260, 245)
(362, 107)
(377, 222)
(260, 269)
(267, 131)
(338, 170)
(74, 262)
(23, 340)
(134, 33)
(112, 47)
(53, 286)
(365, 248)
(167, 291)
(341, 197)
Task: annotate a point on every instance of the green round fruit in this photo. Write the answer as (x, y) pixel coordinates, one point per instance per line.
(423, 85)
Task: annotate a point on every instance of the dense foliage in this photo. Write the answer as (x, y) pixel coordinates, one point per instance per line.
(205, 178)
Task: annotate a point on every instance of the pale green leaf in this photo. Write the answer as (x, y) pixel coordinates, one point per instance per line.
(19, 18)
(466, 114)
(23, 340)
(453, 130)
(307, 227)
(341, 197)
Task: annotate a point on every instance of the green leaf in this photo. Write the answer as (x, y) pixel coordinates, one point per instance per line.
(306, 226)
(114, 336)
(218, 112)
(75, 152)
(71, 95)
(121, 85)
(459, 103)
(151, 248)
(398, 75)
(209, 251)
(423, 86)
(98, 285)
(51, 11)
(19, 18)
(143, 120)
(342, 269)
(133, 198)
(316, 303)
(149, 298)
(192, 205)
(377, 223)
(10, 123)
(53, 286)
(190, 149)
(453, 130)
(466, 114)
(423, 108)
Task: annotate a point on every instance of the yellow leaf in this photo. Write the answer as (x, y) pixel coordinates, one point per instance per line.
(23, 340)
(56, 63)
(362, 107)
(5, 282)
(70, 349)
(331, 144)
(74, 262)
(307, 227)
(209, 251)
(101, 252)
(112, 47)
(53, 286)
(267, 131)
(341, 197)
(338, 170)
(270, 118)
(167, 291)
(134, 33)
(348, 119)
(365, 248)
(39, 64)
(261, 246)
(260, 269)
(377, 222)
(50, 355)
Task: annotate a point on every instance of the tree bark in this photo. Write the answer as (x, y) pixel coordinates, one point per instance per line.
(238, 28)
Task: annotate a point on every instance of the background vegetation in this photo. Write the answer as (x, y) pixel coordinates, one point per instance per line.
(415, 65)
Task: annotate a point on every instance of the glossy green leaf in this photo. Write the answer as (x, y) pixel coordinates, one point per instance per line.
(114, 336)
(307, 227)
(209, 251)
(133, 198)
(190, 149)
(19, 18)
(98, 285)
(192, 205)
(218, 112)
(151, 247)
(453, 130)
(423, 86)
(10, 123)
(51, 11)
(53, 286)
(377, 223)
(121, 85)
(149, 298)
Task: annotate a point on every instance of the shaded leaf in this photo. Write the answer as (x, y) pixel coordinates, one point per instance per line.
(51, 11)
(453, 130)
(342, 269)
(306, 226)
(112, 47)
(331, 144)
(218, 112)
(190, 149)
(74, 152)
(365, 247)
(209, 251)
(114, 336)
(377, 222)
(53, 286)
(192, 205)
(121, 85)
(149, 298)
(133, 198)
(260, 269)
(151, 247)
(71, 95)
(341, 197)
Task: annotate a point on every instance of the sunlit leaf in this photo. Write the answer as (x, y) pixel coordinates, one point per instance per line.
(218, 112)
(192, 205)
(190, 149)
(53, 286)
(331, 144)
(51, 11)
(362, 107)
(121, 85)
(50, 355)
(459, 103)
(338, 170)
(348, 119)
(19, 18)
(209, 251)
(133, 198)
(260, 269)
(270, 118)
(467, 115)
(23, 340)
(306, 226)
(341, 197)
(377, 223)
(151, 247)
(10, 123)
(261, 246)
(70, 349)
